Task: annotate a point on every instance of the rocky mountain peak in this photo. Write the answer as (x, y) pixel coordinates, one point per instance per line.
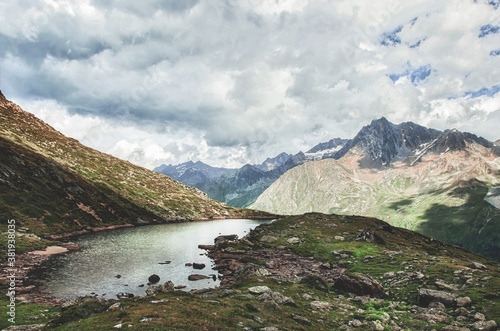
(382, 142)
(453, 140)
(329, 146)
(272, 163)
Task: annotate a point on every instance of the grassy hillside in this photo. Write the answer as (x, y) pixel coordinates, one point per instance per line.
(306, 296)
(51, 184)
(441, 196)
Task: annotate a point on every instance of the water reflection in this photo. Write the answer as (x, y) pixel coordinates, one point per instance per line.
(121, 260)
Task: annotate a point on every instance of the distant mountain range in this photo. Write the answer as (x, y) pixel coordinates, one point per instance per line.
(426, 180)
(236, 187)
(241, 187)
(411, 176)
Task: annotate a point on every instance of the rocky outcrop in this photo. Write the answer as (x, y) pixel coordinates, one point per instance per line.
(369, 236)
(223, 239)
(259, 289)
(250, 269)
(268, 239)
(359, 284)
(156, 289)
(428, 296)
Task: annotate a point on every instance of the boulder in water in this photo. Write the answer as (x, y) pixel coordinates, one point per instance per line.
(153, 279)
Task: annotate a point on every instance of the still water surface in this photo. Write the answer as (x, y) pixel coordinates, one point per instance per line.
(135, 254)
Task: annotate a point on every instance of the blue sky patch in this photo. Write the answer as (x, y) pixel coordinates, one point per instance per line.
(392, 38)
(484, 91)
(488, 29)
(415, 75)
(494, 3)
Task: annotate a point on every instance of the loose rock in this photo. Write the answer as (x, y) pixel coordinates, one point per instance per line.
(485, 325)
(197, 277)
(359, 284)
(477, 265)
(320, 305)
(259, 289)
(426, 296)
(463, 302)
(268, 239)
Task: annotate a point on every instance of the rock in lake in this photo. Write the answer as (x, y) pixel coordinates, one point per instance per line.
(198, 265)
(153, 279)
(197, 277)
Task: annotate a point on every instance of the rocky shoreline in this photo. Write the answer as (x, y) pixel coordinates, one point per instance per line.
(32, 263)
(29, 264)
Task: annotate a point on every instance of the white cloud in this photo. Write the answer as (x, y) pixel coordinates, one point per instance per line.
(230, 82)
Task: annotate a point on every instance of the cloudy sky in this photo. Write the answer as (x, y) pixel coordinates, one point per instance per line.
(229, 82)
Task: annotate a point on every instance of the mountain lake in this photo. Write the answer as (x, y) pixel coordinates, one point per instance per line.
(135, 254)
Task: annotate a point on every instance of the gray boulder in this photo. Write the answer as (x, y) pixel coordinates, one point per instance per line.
(250, 269)
(427, 296)
(359, 284)
(155, 289)
(268, 239)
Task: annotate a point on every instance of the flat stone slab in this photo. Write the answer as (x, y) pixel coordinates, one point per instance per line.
(259, 289)
(52, 250)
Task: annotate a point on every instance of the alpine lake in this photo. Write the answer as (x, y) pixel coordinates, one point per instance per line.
(121, 260)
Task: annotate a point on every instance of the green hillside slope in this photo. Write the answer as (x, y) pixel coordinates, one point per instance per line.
(51, 184)
(443, 196)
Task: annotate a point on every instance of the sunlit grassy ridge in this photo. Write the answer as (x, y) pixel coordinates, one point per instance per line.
(442, 196)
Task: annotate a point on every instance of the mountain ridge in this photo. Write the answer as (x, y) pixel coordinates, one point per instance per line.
(438, 185)
(381, 142)
(54, 184)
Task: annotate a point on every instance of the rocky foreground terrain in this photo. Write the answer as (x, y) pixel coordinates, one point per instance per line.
(310, 272)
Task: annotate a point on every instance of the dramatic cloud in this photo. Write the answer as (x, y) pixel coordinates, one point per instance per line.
(230, 82)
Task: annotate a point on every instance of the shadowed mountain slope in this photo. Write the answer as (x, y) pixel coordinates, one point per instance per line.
(52, 184)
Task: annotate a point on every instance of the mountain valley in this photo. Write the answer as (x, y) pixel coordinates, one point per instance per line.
(311, 271)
